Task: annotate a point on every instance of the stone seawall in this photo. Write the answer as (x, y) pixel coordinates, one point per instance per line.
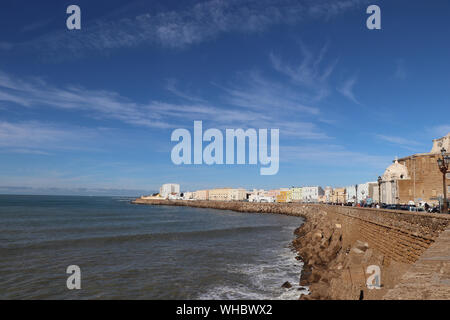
(337, 244)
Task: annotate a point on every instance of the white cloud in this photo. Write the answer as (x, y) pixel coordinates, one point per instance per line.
(401, 142)
(346, 89)
(309, 74)
(335, 154)
(397, 140)
(440, 131)
(258, 103)
(33, 137)
(191, 25)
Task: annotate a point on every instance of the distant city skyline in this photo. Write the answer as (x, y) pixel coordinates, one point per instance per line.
(91, 111)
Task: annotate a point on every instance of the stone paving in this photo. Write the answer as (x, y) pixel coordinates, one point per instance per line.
(429, 277)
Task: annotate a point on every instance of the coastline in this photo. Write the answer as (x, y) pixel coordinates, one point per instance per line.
(334, 246)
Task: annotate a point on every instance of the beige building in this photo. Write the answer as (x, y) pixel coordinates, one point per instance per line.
(238, 194)
(201, 195)
(219, 194)
(322, 199)
(339, 195)
(227, 194)
(296, 194)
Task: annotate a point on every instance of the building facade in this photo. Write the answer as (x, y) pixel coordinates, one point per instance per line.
(416, 178)
(188, 195)
(169, 189)
(350, 194)
(201, 195)
(328, 194)
(339, 196)
(273, 193)
(297, 195)
(238, 194)
(285, 195)
(311, 194)
(220, 194)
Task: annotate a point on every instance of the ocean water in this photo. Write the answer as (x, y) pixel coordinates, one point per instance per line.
(128, 251)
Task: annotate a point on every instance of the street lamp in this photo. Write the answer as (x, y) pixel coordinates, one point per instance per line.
(379, 189)
(443, 167)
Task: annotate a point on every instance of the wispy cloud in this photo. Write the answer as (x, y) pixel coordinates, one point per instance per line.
(189, 25)
(256, 92)
(33, 137)
(339, 155)
(35, 92)
(310, 74)
(251, 105)
(404, 143)
(397, 140)
(36, 25)
(346, 89)
(440, 131)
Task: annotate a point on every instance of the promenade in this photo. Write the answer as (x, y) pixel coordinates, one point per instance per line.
(429, 277)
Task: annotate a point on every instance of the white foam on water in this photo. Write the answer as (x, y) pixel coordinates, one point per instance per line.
(264, 279)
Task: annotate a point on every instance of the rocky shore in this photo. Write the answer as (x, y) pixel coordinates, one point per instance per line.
(332, 247)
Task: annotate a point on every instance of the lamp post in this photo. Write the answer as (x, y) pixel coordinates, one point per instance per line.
(443, 167)
(379, 189)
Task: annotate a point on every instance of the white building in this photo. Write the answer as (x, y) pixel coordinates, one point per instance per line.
(311, 194)
(368, 190)
(188, 195)
(328, 194)
(260, 198)
(169, 188)
(390, 178)
(350, 194)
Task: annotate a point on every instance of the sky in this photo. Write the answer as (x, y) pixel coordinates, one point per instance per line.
(91, 111)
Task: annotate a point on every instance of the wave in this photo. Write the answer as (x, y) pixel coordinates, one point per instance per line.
(262, 280)
(118, 239)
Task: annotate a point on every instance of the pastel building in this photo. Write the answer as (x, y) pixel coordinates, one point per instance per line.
(219, 194)
(311, 194)
(296, 194)
(285, 195)
(201, 195)
(238, 194)
(339, 195)
(273, 193)
(328, 194)
(322, 199)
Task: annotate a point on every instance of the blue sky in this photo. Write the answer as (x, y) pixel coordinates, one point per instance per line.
(91, 111)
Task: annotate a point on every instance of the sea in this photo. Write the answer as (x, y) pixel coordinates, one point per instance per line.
(127, 251)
